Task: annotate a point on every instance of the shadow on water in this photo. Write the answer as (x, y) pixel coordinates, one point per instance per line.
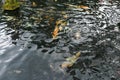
(28, 52)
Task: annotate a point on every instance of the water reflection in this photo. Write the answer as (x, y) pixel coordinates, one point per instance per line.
(28, 52)
(5, 39)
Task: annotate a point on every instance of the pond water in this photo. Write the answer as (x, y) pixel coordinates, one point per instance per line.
(28, 51)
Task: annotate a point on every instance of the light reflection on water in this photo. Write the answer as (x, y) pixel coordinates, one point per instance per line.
(5, 39)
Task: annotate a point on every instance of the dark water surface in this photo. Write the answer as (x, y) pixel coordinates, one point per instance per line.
(28, 52)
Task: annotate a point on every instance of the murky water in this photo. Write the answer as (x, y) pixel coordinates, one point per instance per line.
(28, 52)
